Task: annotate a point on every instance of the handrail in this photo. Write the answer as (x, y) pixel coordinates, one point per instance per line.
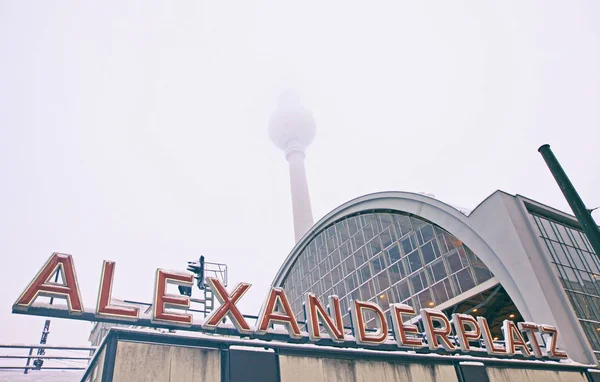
(81, 360)
(38, 346)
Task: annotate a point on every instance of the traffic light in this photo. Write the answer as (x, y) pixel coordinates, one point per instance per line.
(197, 267)
(185, 290)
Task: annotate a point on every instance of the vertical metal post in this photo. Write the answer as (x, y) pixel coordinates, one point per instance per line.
(583, 215)
(28, 360)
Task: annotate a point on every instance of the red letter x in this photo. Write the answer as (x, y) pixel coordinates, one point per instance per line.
(227, 307)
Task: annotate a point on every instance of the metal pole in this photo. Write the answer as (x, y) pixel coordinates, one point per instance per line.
(583, 215)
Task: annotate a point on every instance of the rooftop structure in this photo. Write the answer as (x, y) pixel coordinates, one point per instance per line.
(511, 258)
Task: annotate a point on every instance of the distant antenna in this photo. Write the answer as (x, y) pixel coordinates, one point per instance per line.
(292, 128)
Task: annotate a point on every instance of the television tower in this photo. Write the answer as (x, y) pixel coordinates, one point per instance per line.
(292, 128)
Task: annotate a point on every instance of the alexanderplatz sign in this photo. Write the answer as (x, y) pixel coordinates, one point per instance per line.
(520, 339)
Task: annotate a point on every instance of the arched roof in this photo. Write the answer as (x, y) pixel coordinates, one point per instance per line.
(437, 212)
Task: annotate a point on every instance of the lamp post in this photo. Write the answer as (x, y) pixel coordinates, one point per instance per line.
(583, 215)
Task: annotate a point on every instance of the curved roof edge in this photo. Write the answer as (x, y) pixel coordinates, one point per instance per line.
(422, 206)
(363, 203)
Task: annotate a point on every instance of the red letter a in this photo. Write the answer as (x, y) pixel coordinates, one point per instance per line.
(41, 285)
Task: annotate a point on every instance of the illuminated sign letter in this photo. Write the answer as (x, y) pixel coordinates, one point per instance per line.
(437, 337)
(162, 300)
(276, 299)
(552, 348)
(42, 285)
(315, 310)
(464, 336)
(513, 339)
(103, 306)
(488, 340)
(530, 330)
(227, 307)
(400, 330)
(360, 327)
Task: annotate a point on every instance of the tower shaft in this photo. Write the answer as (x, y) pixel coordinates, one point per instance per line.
(301, 207)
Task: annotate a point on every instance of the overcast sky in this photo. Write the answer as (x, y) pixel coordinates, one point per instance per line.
(137, 131)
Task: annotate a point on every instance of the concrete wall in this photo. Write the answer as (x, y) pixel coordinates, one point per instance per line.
(301, 369)
(130, 356)
(163, 363)
(526, 375)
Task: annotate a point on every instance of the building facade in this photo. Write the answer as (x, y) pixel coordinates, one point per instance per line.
(510, 258)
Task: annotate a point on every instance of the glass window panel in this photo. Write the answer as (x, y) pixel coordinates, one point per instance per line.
(463, 256)
(316, 274)
(368, 231)
(382, 281)
(322, 253)
(417, 223)
(343, 233)
(326, 283)
(319, 241)
(397, 271)
(451, 241)
(359, 257)
(340, 289)
(425, 299)
(401, 291)
(351, 282)
(366, 292)
(429, 253)
(417, 282)
(384, 299)
(482, 274)
(407, 244)
(465, 280)
(386, 238)
(386, 220)
(376, 227)
(345, 250)
(427, 233)
(336, 274)
(364, 273)
(352, 226)
(414, 261)
(439, 293)
(331, 244)
(374, 246)
(591, 260)
(448, 285)
(442, 243)
(358, 239)
(349, 266)
(304, 285)
(454, 263)
(378, 263)
(562, 234)
(393, 254)
(335, 257)
(403, 224)
(438, 270)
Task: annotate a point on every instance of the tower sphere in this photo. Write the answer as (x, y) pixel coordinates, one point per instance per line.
(291, 124)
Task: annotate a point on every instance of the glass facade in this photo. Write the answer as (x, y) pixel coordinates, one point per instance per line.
(578, 269)
(384, 257)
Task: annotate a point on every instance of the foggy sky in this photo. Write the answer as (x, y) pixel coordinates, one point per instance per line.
(137, 131)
